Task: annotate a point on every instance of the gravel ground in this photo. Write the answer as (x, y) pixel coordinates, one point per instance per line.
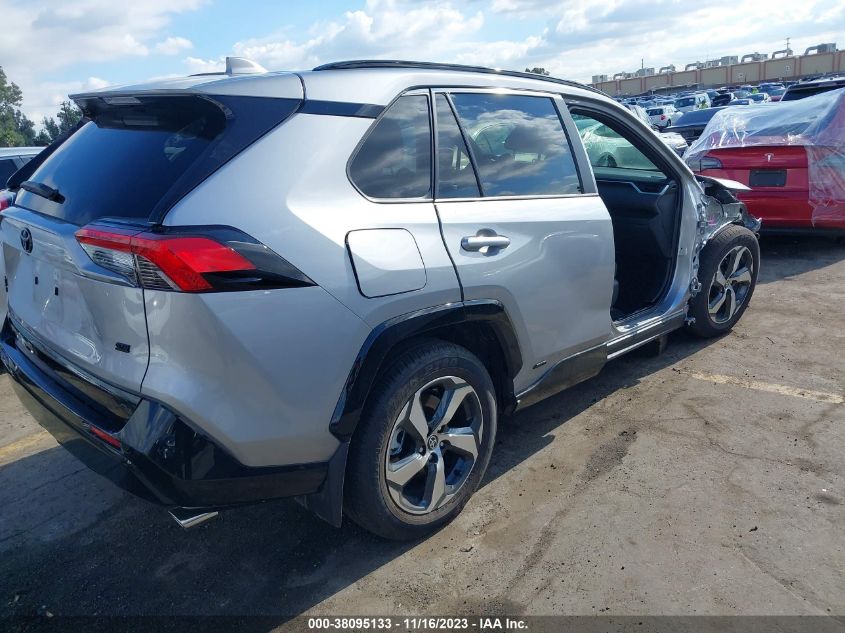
(707, 480)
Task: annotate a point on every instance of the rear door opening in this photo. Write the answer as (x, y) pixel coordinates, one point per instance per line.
(80, 243)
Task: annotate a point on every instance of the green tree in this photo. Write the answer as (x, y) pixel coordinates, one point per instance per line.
(537, 71)
(15, 127)
(66, 119)
(26, 128)
(10, 102)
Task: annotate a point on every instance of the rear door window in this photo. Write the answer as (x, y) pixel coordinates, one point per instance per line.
(135, 159)
(455, 175)
(394, 161)
(519, 144)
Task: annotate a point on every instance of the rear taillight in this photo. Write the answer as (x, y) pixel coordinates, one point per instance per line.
(7, 198)
(662, 117)
(188, 260)
(108, 438)
(708, 162)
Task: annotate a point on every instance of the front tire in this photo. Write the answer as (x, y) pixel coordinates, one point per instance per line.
(728, 269)
(424, 442)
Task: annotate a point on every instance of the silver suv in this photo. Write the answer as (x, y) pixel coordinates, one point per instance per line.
(330, 285)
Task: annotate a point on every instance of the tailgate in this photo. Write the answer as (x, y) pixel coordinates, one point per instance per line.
(133, 157)
(96, 324)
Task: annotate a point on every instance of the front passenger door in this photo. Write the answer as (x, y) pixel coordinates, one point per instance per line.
(518, 225)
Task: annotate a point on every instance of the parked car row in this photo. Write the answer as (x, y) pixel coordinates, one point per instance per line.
(678, 144)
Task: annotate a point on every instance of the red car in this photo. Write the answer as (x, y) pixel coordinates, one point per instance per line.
(791, 155)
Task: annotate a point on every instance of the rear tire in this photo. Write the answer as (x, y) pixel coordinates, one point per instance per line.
(423, 443)
(728, 269)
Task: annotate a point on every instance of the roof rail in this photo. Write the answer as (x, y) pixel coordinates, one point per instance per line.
(396, 63)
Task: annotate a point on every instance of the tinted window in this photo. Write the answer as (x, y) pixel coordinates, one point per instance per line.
(519, 144)
(455, 175)
(7, 168)
(132, 159)
(394, 160)
(607, 148)
(655, 112)
(802, 92)
(697, 116)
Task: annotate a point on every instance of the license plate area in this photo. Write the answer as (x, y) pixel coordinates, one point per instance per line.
(109, 406)
(767, 178)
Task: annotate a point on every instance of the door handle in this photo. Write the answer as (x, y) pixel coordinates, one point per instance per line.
(485, 241)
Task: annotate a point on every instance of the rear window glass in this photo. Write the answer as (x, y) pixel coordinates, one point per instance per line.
(655, 112)
(793, 94)
(394, 161)
(134, 160)
(8, 166)
(687, 101)
(697, 116)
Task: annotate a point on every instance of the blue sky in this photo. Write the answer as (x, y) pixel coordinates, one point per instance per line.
(62, 46)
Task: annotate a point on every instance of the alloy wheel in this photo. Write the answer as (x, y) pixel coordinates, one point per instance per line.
(731, 284)
(434, 445)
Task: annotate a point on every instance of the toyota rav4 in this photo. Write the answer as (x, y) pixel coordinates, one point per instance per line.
(330, 285)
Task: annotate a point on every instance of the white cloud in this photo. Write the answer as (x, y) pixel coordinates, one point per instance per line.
(384, 28)
(570, 38)
(43, 99)
(44, 36)
(199, 65)
(173, 46)
(574, 38)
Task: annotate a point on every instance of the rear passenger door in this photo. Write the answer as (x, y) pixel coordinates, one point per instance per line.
(519, 224)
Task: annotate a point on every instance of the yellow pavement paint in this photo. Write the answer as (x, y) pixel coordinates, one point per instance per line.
(759, 385)
(23, 445)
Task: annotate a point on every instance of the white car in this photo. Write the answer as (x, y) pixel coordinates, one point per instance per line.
(759, 97)
(672, 139)
(662, 116)
(694, 101)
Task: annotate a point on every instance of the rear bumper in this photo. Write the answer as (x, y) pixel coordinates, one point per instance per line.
(156, 455)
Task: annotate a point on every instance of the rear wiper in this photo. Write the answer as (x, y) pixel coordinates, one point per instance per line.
(45, 191)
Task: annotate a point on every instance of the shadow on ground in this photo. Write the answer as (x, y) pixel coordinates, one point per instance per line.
(272, 560)
(784, 256)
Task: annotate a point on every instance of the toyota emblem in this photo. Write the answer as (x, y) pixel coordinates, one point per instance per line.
(26, 240)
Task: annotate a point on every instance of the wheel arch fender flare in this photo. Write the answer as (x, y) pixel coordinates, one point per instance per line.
(377, 348)
(386, 337)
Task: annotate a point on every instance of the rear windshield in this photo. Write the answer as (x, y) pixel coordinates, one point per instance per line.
(793, 94)
(697, 116)
(136, 159)
(686, 101)
(655, 112)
